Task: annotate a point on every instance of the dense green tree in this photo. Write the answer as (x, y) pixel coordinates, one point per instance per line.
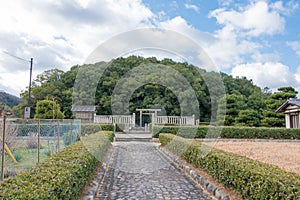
(248, 117)
(234, 103)
(275, 100)
(48, 109)
(91, 89)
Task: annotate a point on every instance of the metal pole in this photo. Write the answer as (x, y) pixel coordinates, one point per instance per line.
(29, 89)
(3, 150)
(39, 140)
(141, 118)
(58, 135)
(71, 131)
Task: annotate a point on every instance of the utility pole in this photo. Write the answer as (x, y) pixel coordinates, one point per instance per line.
(27, 109)
(29, 89)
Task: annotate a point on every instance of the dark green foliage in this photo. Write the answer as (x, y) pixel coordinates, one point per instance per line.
(229, 132)
(241, 95)
(18, 157)
(208, 88)
(271, 118)
(89, 128)
(62, 176)
(58, 84)
(252, 179)
(248, 117)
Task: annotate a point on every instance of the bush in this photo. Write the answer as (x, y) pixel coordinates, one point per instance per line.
(252, 179)
(18, 157)
(229, 132)
(62, 176)
(90, 128)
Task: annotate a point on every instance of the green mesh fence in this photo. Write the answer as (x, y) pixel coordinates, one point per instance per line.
(31, 141)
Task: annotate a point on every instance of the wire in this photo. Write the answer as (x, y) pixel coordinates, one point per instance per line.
(15, 56)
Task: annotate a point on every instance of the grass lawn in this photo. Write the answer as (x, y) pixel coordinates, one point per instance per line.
(27, 155)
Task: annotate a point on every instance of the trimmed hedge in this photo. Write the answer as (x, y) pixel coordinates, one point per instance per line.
(62, 176)
(252, 179)
(229, 132)
(90, 128)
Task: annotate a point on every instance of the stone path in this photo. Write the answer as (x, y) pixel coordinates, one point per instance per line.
(137, 170)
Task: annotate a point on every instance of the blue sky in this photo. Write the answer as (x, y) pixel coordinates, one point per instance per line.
(259, 39)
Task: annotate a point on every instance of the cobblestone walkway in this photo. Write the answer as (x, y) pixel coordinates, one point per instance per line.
(138, 171)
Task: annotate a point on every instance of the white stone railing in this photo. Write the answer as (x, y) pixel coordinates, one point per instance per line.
(115, 119)
(130, 120)
(180, 120)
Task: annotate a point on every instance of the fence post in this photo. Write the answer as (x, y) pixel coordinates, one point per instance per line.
(114, 129)
(71, 124)
(194, 122)
(3, 150)
(58, 135)
(39, 139)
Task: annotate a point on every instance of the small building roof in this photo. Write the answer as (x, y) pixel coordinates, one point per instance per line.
(291, 101)
(83, 108)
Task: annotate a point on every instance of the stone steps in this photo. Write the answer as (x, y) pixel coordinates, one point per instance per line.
(133, 139)
(136, 136)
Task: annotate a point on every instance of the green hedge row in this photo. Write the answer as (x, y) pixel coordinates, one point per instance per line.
(228, 132)
(90, 128)
(252, 179)
(62, 176)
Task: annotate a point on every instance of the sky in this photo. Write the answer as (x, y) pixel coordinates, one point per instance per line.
(257, 39)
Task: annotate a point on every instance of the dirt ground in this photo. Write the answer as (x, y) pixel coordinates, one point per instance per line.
(286, 155)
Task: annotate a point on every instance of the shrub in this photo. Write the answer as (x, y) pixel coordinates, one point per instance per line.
(229, 132)
(252, 179)
(18, 157)
(62, 176)
(89, 128)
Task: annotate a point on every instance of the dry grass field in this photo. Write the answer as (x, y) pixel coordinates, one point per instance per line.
(286, 155)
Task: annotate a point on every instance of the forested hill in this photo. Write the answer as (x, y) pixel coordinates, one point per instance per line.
(241, 93)
(9, 100)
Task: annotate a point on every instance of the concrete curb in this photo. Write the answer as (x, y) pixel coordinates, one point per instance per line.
(209, 187)
(91, 190)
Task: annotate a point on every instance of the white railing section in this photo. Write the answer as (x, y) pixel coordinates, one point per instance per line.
(130, 120)
(114, 119)
(181, 120)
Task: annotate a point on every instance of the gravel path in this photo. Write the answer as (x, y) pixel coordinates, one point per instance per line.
(137, 170)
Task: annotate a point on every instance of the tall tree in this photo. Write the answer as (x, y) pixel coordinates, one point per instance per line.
(234, 103)
(275, 100)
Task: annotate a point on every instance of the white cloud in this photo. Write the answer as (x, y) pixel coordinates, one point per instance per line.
(228, 49)
(266, 57)
(256, 19)
(269, 74)
(61, 33)
(287, 9)
(295, 45)
(224, 47)
(191, 6)
(225, 2)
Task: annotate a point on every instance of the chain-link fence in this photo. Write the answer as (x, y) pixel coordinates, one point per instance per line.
(29, 141)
